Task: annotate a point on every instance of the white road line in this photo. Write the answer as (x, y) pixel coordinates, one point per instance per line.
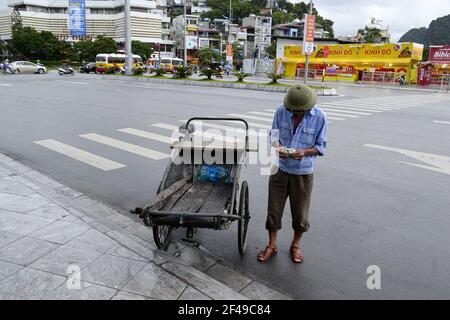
(80, 155)
(5, 85)
(345, 111)
(132, 148)
(78, 82)
(334, 118)
(330, 118)
(262, 113)
(165, 126)
(409, 103)
(147, 135)
(442, 122)
(254, 124)
(322, 106)
(379, 104)
(360, 105)
(249, 117)
(340, 115)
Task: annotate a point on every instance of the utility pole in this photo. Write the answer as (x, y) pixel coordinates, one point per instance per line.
(128, 53)
(185, 28)
(307, 56)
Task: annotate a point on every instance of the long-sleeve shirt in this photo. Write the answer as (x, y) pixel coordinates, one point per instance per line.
(310, 133)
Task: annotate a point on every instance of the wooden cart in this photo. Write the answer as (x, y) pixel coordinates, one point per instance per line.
(183, 200)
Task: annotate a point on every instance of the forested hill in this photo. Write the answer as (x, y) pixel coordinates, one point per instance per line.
(437, 33)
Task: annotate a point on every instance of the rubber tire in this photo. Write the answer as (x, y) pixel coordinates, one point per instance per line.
(41, 71)
(162, 244)
(245, 214)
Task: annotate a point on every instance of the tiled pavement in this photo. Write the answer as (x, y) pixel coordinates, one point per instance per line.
(56, 243)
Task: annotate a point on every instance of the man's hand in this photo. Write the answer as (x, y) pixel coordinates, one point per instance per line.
(281, 152)
(298, 154)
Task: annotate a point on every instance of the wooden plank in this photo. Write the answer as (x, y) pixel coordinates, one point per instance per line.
(167, 192)
(193, 198)
(217, 199)
(173, 199)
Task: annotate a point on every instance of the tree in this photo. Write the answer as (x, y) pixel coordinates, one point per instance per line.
(16, 20)
(370, 34)
(207, 56)
(142, 49)
(105, 45)
(279, 17)
(84, 50)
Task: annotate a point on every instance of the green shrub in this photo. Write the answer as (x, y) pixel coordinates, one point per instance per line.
(208, 72)
(241, 75)
(182, 72)
(138, 71)
(160, 71)
(110, 70)
(274, 77)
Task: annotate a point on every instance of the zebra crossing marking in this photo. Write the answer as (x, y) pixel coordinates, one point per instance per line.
(147, 135)
(80, 155)
(125, 146)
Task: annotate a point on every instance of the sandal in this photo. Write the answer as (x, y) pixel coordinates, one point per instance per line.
(297, 254)
(266, 254)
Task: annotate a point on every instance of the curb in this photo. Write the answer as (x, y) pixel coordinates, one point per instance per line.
(356, 85)
(230, 85)
(206, 275)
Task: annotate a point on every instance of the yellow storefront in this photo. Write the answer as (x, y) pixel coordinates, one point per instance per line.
(349, 62)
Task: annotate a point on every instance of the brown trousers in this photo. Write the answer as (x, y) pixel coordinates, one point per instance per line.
(298, 188)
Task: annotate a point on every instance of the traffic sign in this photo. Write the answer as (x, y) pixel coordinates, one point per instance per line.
(309, 48)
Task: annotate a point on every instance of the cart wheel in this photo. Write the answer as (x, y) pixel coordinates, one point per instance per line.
(162, 235)
(244, 213)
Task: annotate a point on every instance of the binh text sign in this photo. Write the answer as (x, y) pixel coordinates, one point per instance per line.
(439, 54)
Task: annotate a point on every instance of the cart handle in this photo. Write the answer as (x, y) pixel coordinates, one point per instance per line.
(222, 119)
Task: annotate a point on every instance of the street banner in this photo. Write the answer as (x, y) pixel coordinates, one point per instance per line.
(191, 42)
(439, 54)
(309, 34)
(77, 17)
(229, 53)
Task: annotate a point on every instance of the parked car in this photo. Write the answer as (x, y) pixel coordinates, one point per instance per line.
(88, 68)
(28, 67)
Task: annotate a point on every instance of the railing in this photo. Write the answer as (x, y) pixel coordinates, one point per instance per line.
(441, 81)
(384, 78)
(313, 74)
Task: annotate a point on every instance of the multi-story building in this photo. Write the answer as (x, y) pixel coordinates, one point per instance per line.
(103, 18)
(259, 35)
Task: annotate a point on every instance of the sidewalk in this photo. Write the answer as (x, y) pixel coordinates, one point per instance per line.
(56, 243)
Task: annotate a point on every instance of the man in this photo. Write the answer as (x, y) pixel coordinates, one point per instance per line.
(299, 134)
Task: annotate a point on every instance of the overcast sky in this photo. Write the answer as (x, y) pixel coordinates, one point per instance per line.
(399, 15)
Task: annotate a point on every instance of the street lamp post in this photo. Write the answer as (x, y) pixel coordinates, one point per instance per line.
(307, 56)
(129, 55)
(184, 33)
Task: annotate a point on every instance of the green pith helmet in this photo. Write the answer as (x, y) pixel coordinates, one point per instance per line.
(300, 98)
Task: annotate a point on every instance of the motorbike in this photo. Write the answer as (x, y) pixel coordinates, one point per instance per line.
(7, 68)
(66, 70)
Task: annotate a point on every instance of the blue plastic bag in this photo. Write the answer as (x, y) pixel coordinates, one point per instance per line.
(212, 173)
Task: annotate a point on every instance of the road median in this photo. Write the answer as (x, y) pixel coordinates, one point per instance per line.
(281, 88)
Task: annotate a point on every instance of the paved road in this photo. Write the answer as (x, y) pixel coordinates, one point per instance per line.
(381, 192)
